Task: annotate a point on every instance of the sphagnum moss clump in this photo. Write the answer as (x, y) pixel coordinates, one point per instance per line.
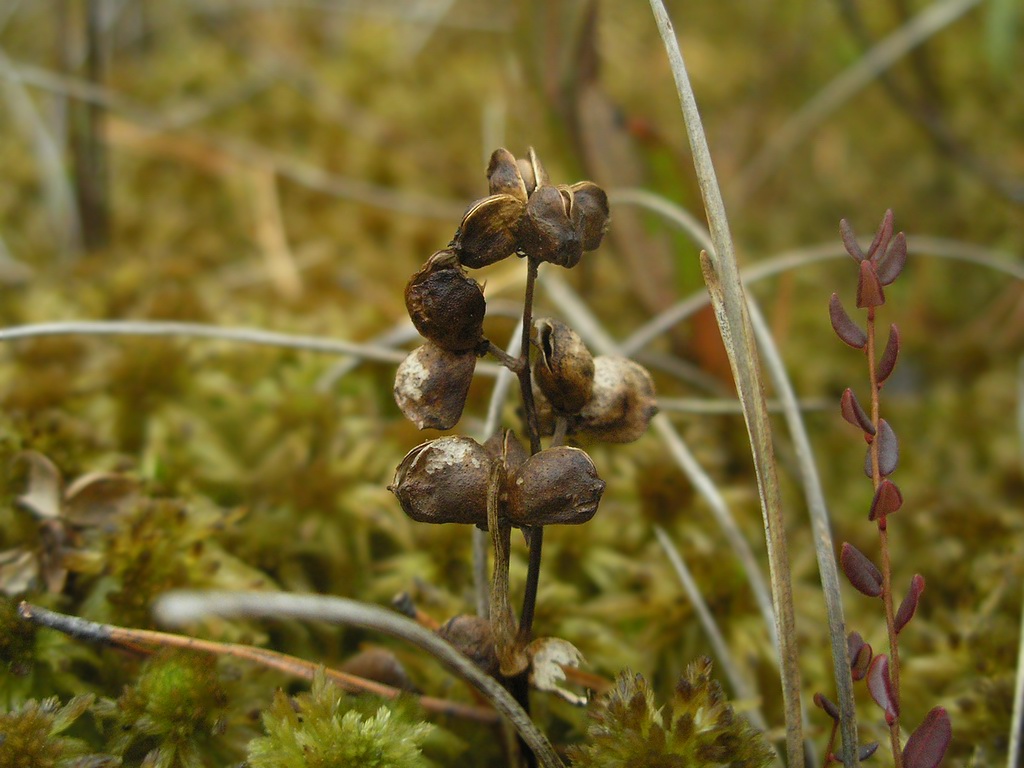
(32, 735)
(327, 728)
(172, 715)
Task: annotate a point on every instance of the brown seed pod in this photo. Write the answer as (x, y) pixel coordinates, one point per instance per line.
(489, 231)
(564, 370)
(558, 486)
(444, 481)
(445, 305)
(547, 233)
(503, 175)
(431, 386)
(622, 401)
(589, 213)
(472, 636)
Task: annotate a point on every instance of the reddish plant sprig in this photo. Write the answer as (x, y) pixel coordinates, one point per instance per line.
(878, 267)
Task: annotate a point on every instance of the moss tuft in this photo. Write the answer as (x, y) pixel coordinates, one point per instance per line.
(702, 730)
(328, 729)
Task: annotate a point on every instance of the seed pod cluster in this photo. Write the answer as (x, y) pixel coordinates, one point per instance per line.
(448, 481)
(525, 213)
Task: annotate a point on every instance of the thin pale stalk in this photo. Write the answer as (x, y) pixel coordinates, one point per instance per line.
(823, 545)
(722, 276)
(145, 640)
(182, 607)
(883, 543)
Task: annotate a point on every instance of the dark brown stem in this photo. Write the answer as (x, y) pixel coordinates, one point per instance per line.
(524, 373)
(883, 541)
(535, 536)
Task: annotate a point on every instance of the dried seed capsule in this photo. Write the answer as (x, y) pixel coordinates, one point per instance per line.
(565, 369)
(444, 481)
(431, 386)
(472, 636)
(446, 306)
(589, 213)
(622, 401)
(558, 486)
(489, 230)
(503, 175)
(546, 232)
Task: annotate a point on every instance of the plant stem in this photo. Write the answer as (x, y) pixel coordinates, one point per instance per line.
(535, 536)
(883, 542)
(524, 372)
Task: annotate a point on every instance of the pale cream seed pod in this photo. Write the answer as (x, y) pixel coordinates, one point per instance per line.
(622, 401)
(431, 386)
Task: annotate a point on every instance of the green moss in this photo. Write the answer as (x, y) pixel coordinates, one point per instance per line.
(328, 729)
(697, 729)
(173, 714)
(32, 736)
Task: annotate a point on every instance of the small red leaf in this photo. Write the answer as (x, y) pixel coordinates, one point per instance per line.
(859, 666)
(880, 687)
(927, 745)
(862, 573)
(889, 356)
(888, 451)
(882, 236)
(850, 240)
(853, 413)
(909, 605)
(887, 500)
(823, 702)
(860, 655)
(869, 289)
(891, 263)
(847, 330)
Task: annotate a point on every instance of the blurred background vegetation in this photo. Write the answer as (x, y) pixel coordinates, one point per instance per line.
(288, 165)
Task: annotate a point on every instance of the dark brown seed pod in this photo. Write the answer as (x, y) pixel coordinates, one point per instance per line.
(547, 233)
(558, 486)
(489, 230)
(564, 370)
(503, 175)
(444, 481)
(589, 213)
(472, 636)
(446, 306)
(622, 401)
(431, 386)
